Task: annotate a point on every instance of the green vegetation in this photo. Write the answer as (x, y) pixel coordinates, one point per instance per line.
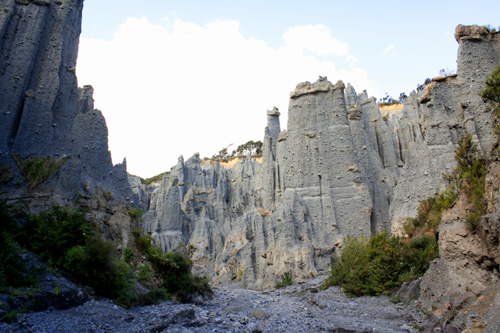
(492, 28)
(376, 265)
(97, 264)
(136, 214)
(175, 271)
(53, 233)
(128, 255)
(155, 179)
(36, 170)
(286, 280)
(492, 91)
(66, 241)
(491, 95)
(12, 272)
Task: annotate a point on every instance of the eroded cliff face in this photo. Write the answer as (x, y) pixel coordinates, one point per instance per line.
(340, 169)
(44, 113)
(462, 286)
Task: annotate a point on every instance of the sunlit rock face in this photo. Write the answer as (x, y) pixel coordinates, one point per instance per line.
(342, 168)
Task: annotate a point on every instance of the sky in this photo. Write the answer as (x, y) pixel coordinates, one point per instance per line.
(177, 77)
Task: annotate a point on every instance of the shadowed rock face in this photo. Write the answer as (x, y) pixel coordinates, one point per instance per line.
(42, 110)
(340, 169)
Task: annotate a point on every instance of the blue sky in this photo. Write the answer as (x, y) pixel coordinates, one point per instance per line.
(179, 77)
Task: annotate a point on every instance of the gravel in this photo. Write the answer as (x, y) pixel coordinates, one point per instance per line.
(298, 308)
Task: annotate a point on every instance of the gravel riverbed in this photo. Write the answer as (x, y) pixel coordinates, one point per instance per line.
(298, 308)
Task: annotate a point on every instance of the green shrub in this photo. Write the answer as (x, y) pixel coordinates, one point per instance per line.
(13, 273)
(154, 296)
(136, 213)
(101, 267)
(53, 233)
(286, 280)
(128, 255)
(175, 272)
(36, 170)
(144, 273)
(492, 91)
(376, 265)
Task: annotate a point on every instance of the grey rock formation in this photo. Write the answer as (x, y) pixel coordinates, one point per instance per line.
(340, 169)
(42, 110)
(315, 186)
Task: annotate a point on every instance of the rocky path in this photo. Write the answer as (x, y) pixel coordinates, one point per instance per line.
(298, 308)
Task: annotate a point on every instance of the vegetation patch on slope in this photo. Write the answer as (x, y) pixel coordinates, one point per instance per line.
(72, 246)
(375, 265)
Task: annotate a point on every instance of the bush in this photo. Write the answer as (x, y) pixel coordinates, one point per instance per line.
(128, 255)
(144, 273)
(53, 233)
(175, 271)
(286, 280)
(376, 265)
(492, 91)
(136, 213)
(12, 272)
(154, 296)
(98, 266)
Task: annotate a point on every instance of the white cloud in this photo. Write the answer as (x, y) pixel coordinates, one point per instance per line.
(316, 39)
(184, 88)
(389, 48)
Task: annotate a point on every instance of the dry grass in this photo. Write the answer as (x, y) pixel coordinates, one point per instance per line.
(387, 110)
(230, 163)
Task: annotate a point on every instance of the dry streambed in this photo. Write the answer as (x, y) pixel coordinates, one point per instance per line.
(298, 308)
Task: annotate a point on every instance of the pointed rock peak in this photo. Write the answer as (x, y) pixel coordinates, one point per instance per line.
(180, 163)
(339, 85)
(305, 88)
(274, 112)
(349, 88)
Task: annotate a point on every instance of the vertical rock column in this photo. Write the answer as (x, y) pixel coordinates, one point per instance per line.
(269, 176)
(322, 166)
